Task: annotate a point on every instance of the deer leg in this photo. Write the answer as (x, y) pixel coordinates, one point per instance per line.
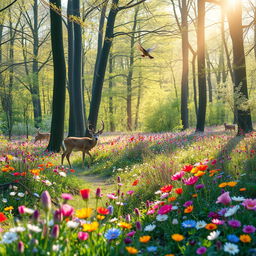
(62, 157)
(83, 158)
(89, 162)
(67, 156)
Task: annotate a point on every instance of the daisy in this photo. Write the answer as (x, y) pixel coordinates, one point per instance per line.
(231, 248)
(17, 229)
(150, 227)
(34, 228)
(238, 198)
(63, 174)
(200, 224)
(21, 194)
(163, 217)
(232, 211)
(213, 235)
(72, 224)
(9, 237)
(12, 193)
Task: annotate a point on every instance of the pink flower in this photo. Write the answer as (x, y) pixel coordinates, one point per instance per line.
(201, 250)
(249, 229)
(150, 212)
(111, 196)
(67, 210)
(218, 222)
(82, 235)
(249, 204)
(191, 180)
(224, 199)
(130, 192)
(46, 201)
(21, 209)
(214, 162)
(131, 234)
(67, 196)
(178, 175)
(188, 203)
(234, 223)
(165, 209)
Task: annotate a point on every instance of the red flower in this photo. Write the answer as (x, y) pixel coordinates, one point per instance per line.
(16, 174)
(187, 168)
(166, 189)
(72, 170)
(135, 183)
(102, 210)
(85, 193)
(179, 191)
(2, 217)
(202, 167)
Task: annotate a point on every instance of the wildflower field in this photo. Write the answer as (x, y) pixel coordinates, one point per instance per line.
(163, 194)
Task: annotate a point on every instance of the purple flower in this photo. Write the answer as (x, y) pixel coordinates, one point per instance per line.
(127, 240)
(55, 231)
(98, 193)
(199, 186)
(46, 201)
(234, 223)
(249, 229)
(21, 247)
(224, 199)
(188, 203)
(201, 250)
(67, 196)
(131, 234)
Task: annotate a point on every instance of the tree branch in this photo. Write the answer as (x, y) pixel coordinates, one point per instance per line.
(9, 5)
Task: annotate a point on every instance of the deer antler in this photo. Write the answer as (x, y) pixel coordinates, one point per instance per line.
(102, 129)
(90, 129)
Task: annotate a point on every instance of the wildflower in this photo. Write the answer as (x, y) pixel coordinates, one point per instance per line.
(211, 226)
(62, 174)
(12, 193)
(150, 227)
(100, 217)
(55, 231)
(138, 225)
(84, 213)
(102, 210)
(127, 240)
(72, 224)
(85, 193)
(160, 217)
(242, 189)
(189, 209)
(67, 210)
(200, 224)
(135, 183)
(245, 238)
(178, 175)
(213, 235)
(223, 185)
(125, 225)
(18, 229)
(249, 204)
(249, 229)
(110, 209)
(199, 186)
(177, 237)
(21, 247)
(151, 248)
(130, 192)
(90, 226)
(218, 222)
(238, 198)
(189, 224)
(131, 250)
(165, 209)
(224, 199)
(112, 196)
(234, 223)
(166, 189)
(9, 208)
(179, 191)
(112, 233)
(188, 203)
(199, 174)
(9, 237)
(46, 201)
(233, 238)
(34, 228)
(231, 248)
(144, 239)
(137, 212)
(2, 217)
(231, 183)
(67, 196)
(187, 168)
(201, 250)
(232, 211)
(191, 181)
(171, 199)
(175, 222)
(98, 193)
(131, 234)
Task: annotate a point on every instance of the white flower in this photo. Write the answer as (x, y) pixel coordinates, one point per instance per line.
(4, 200)
(160, 217)
(29, 210)
(12, 193)
(174, 207)
(232, 211)
(158, 192)
(150, 227)
(231, 248)
(36, 195)
(164, 195)
(238, 198)
(63, 174)
(175, 222)
(200, 224)
(56, 247)
(21, 194)
(72, 224)
(17, 229)
(15, 188)
(34, 228)
(113, 220)
(47, 183)
(119, 203)
(9, 237)
(213, 235)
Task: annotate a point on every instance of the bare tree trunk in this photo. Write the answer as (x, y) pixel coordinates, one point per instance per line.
(209, 79)
(194, 81)
(140, 85)
(110, 98)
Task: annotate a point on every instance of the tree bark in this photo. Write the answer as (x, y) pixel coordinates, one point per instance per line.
(209, 79)
(110, 98)
(59, 87)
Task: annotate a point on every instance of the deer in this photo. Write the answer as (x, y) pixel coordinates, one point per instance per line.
(84, 144)
(229, 127)
(41, 136)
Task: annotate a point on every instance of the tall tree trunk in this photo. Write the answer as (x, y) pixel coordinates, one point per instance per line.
(209, 79)
(59, 87)
(184, 79)
(239, 67)
(194, 81)
(201, 66)
(110, 98)
(101, 69)
(140, 84)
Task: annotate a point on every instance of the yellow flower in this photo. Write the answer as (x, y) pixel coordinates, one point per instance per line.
(223, 185)
(5, 169)
(90, 226)
(189, 209)
(232, 183)
(194, 170)
(131, 250)
(83, 213)
(245, 238)
(145, 239)
(35, 171)
(177, 237)
(9, 208)
(10, 157)
(199, 173)
(125, 225)
(100, 217)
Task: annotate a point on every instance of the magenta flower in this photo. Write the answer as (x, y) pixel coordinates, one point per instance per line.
(67, 210)
(21, 209)
(46, 201)
(111, 196)
(55, 231)
(131, 234)
(178, 175)
(165, 209)
(21, 247)
(218, 222)
(82, 235)
(67, 196)
(199, 186)
(130, 192)
(150, 212)
(249, 229)
(191, 181)
(224, 199)
(98, 193)
(234, 223)
(188, 203)
(249, 204)
(201, 250)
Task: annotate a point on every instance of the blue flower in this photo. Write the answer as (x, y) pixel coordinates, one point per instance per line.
(152, 249)
(110, 209)
(233, 238)
(112, 233)
(189, 223)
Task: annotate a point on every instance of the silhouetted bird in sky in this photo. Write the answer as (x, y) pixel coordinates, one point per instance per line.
(145, 52)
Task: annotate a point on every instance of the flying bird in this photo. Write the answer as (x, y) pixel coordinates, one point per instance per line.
(145, 52)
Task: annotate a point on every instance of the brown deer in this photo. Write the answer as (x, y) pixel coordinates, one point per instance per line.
(229, 127)
(84, 144)
(41, 136)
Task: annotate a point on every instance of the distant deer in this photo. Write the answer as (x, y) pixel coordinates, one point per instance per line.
(229, 127)
(41, 136)
(84, 144)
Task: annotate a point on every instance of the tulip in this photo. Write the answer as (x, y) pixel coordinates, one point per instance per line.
(55, 231)
(58, 216)
(35, 216)
(137, 211)
(21, 209)
(83, 235)
(224, 199)
(67, 210)
(85, 193)
(21, 247)
(46, 201)
(138, 225)
(98, 193)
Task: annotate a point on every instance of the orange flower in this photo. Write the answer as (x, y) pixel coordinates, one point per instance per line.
(84, 213)
(100, 217)
(177, 237)
(245, 238)
(189, 209)
(211, 226)
(145, 239)
(35, 171)
(125, 225)
(223, 185)
(167, 188)
(202, 167)
(90, 226)
(171, 254)
(131, 250)
(2, 217)
(41, 165)
(199, 173)
(242, 189)
(194, 195)
(135, 183)
(194, 170)
(5, 169)
(171, 199)
(232, 183)
(49, 164)
(179, 191)
(102, 210)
